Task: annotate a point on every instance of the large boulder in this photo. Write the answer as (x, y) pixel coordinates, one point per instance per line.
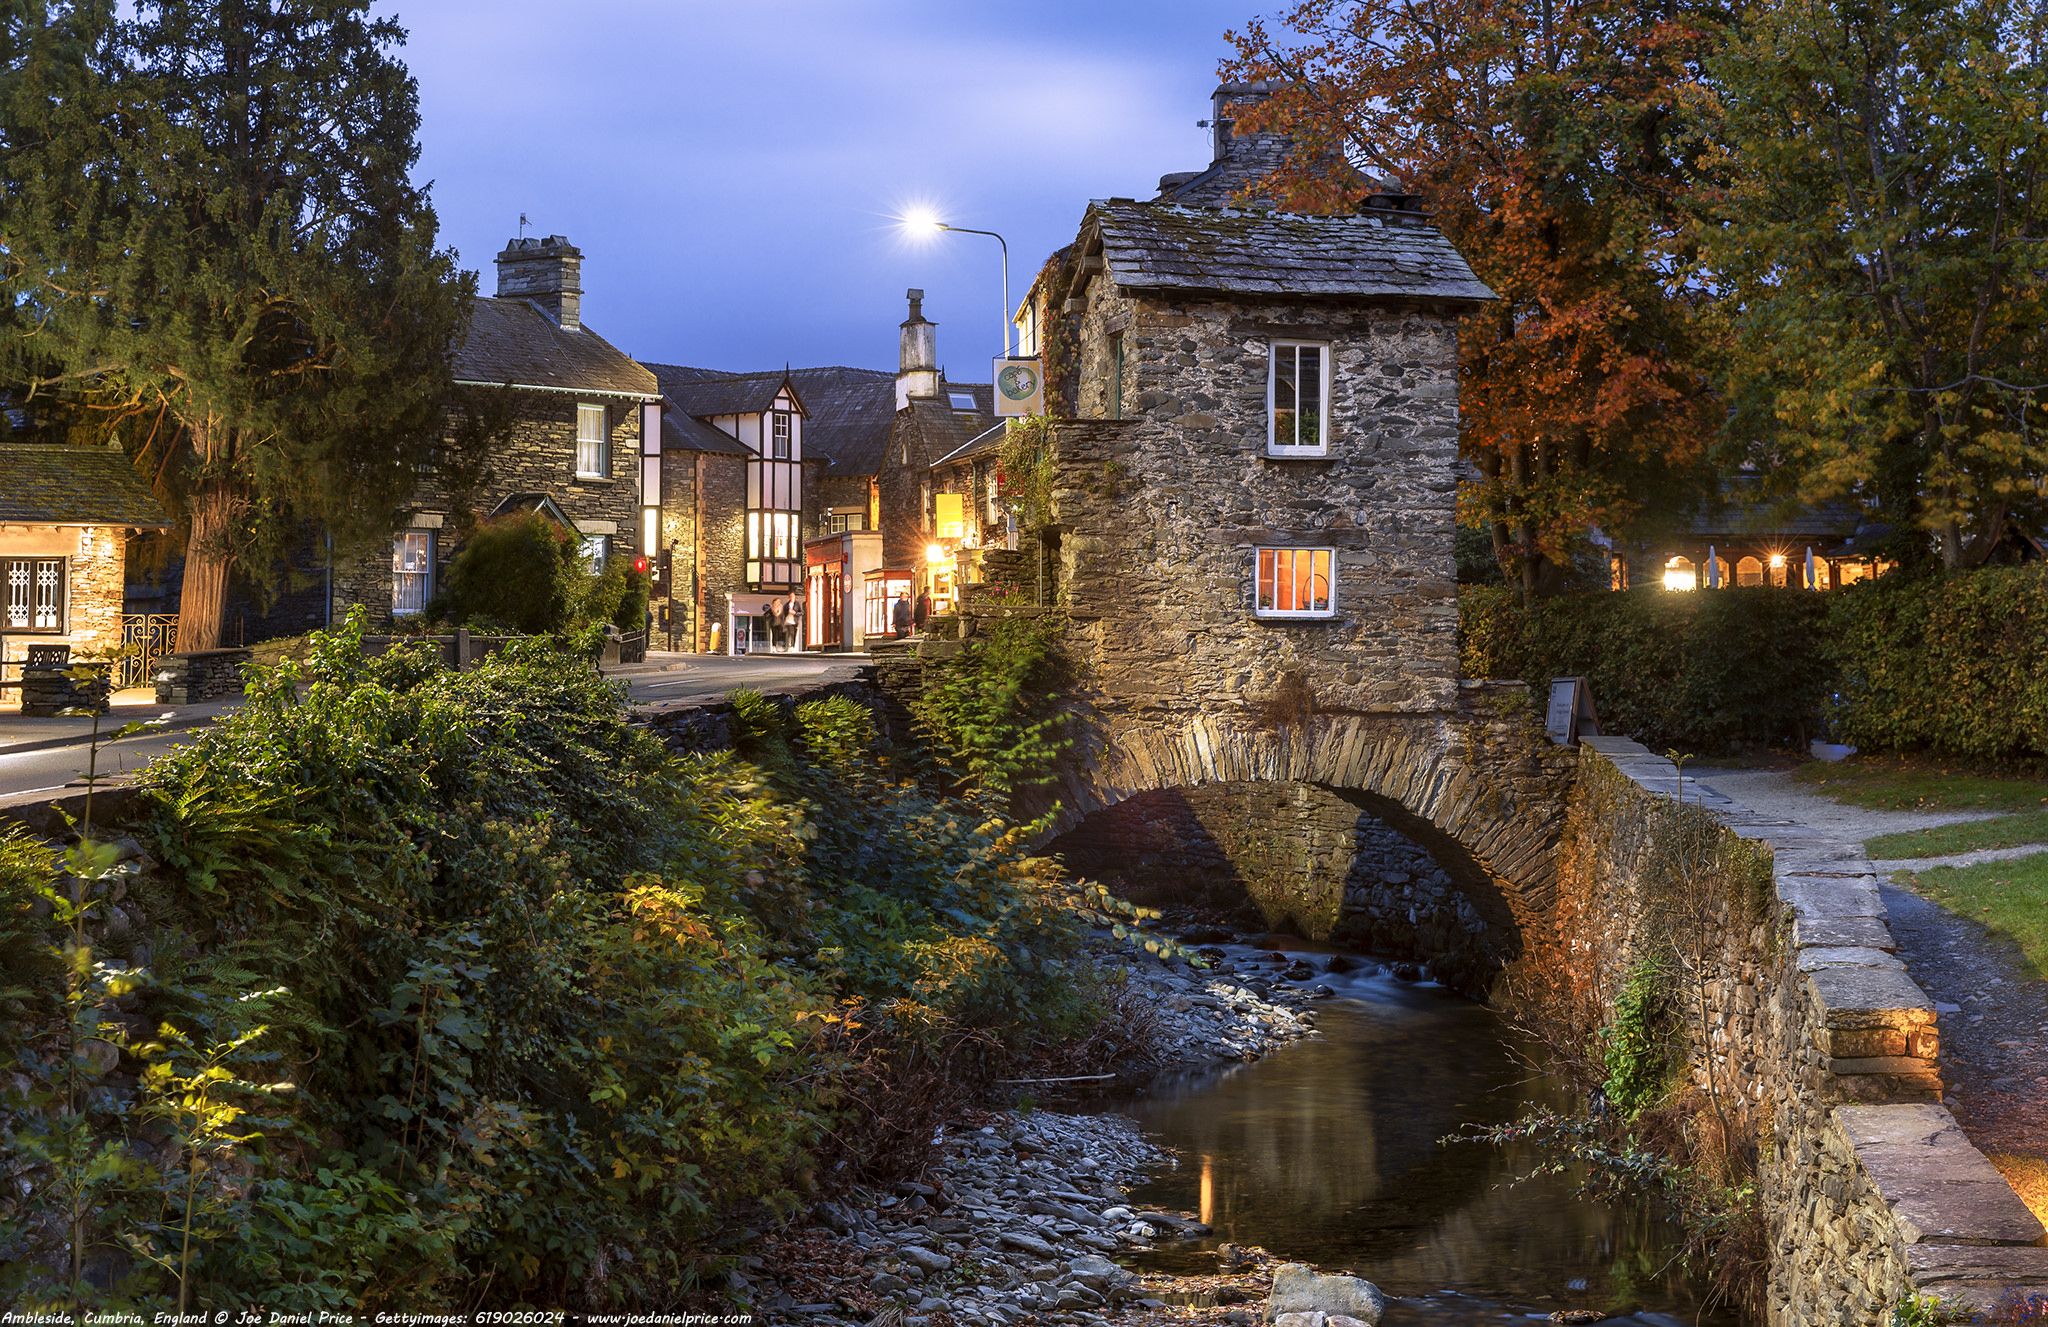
(1299, 1288)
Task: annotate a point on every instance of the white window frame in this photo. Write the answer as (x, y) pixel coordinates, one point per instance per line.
(593, 448)
(781, 432)
(595, 550)
(1275, 446)
(401, 575)
(1291, 551)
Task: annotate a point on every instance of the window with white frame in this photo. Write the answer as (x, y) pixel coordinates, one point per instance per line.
(34, 590)
(593, 443)
(778, 435)
(595, 548)
(412, 572)
(1296, 582)
(840, 520)
(1298, 399)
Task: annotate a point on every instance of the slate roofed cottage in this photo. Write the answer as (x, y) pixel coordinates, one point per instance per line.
(66, 516)
(583, 444)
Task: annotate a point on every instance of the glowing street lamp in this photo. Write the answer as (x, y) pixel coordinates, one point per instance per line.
(922, 223)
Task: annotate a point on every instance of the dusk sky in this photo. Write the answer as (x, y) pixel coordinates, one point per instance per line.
(733, 171)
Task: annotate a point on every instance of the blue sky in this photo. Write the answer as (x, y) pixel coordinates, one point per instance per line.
(732, 171)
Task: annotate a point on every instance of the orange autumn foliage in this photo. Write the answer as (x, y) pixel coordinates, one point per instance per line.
(1550, 142)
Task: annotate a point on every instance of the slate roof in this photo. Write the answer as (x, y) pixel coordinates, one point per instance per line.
(1740, 518)
(1352, 256)
(681, 431)
(848, 414)
(51, 484)
(949, 435)
(512, 341)
(702, 393)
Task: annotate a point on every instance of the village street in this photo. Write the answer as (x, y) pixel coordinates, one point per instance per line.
(42, 756)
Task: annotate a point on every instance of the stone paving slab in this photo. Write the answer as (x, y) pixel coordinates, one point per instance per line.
(1940, 1188)
(1978, 1279)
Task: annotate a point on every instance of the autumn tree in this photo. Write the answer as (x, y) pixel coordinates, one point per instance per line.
(1882, 242)
(209, 237)
(1552, 141)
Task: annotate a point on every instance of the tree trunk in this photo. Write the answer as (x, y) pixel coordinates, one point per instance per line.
(209, 539)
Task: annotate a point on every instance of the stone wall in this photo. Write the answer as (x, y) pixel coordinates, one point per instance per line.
(95, 563)
(1802, 1030)
(200, 675)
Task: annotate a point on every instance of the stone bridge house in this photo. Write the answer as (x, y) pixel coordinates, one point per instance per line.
(1255, 458)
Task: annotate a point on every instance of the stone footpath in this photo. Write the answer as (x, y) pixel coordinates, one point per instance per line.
(1894, 1196)
(1019, 1220)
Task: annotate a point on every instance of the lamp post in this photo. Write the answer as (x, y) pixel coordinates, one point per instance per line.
(921, 222)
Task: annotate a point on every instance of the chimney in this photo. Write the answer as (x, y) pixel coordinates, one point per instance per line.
(547, 273)
(1226, 103)
(918, 370)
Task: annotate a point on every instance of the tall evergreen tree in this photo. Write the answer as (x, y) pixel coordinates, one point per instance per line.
(212, 239)
(1553, 142)
(1883, 245)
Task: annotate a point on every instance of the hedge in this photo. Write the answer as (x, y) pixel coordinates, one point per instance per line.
(1952, 665)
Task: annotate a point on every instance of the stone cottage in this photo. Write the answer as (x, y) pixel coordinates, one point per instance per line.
(1257, 476)
(582, 447)
(66, 517)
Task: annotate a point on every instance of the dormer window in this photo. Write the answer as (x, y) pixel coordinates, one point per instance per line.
(593, 443)
(1298, 399)
(778, 434)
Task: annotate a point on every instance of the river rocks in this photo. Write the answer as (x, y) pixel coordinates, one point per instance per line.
(1299, 1291)
(924, 1259)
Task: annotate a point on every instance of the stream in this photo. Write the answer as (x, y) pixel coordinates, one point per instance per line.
(1327, 1152)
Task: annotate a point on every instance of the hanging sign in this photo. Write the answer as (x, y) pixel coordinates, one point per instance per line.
(1020, 386)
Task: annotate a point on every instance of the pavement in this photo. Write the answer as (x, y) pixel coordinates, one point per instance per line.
(42, 757)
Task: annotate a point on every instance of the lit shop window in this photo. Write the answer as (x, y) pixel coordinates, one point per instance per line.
(1297, 582)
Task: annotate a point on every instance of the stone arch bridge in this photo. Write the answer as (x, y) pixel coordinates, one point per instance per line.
(1286, 808)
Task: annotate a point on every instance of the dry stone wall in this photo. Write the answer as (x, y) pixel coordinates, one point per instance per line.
(1797, 1015)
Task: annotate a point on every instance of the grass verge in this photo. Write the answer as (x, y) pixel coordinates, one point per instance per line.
(2009, 897)
(1901, 784)
(1999, 832)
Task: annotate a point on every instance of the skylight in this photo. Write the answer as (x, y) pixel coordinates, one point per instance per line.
(962, 400)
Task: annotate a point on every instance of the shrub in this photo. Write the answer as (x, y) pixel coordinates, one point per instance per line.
(562, 1013)
(994, 714)
(1951, 664)
(517, 570)
(1706, 672)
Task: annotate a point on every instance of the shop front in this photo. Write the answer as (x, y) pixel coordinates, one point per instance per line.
(764, 623)
(881, 589)
(835, 566)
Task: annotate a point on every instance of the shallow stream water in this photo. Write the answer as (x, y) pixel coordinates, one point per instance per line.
(1328, 1152)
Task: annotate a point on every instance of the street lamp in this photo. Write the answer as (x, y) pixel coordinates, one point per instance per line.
(921, 223)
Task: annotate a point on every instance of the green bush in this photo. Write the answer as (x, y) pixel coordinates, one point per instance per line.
(519, 571)
(1947, 664)
(1703, 673)
(560, 1013)
(1953, 665)
(994, 714)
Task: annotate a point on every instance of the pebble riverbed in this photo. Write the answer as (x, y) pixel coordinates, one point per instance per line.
(1022, 1217)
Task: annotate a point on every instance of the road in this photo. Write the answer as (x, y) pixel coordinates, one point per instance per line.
(695, 679)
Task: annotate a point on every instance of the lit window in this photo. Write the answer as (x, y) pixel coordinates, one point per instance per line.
(35, 594)
(1680, 575)
(412, 572)
(839, 522)
(1297, 399)
(595, 549)
(593, 450)
(1749, 571)
(1297, 582)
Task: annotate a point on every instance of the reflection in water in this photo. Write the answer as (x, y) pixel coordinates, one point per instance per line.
(1327, 1151)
